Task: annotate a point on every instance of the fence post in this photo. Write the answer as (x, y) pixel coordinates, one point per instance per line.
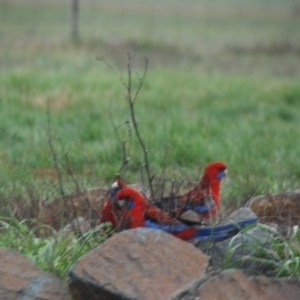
(74, 21)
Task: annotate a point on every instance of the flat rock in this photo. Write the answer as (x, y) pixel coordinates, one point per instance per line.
(137, 264)
(234, 285)
(282, 209)
(237, 251)
(21, 279)
(242, 248)
(239, 215)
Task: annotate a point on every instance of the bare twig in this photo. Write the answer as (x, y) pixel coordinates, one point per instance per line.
(119, 75)
(68, 165)
(141, 81)
(125, 158)
(56, 165)
(131, 101)
(75, 225)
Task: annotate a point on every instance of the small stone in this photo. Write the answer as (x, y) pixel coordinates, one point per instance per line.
(21, 279)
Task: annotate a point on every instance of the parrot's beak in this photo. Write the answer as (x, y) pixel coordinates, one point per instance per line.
(114, 189)
(115, 186)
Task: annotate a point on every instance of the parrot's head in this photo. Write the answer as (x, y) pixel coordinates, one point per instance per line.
(128, 197)
(215, 171)
(213, 174)
(115, 187)
(122, 194)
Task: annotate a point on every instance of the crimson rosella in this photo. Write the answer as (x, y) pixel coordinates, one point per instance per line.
(135, 211)
(126, 208)
(118, 212)
(205, 197)
(111, 211)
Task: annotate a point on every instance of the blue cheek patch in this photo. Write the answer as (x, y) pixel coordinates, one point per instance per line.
(220, 175)
(130, 204)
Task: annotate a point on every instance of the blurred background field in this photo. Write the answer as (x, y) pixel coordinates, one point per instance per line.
(222, 84)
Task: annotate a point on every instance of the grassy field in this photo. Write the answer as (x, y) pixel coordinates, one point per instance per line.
(222, 84)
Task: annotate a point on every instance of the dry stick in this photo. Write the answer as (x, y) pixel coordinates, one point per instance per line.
(69, 170)
(176, 197)
(131, 102)
(179, 186)
(68, 165)
(125, 159)
(163, 187)
(161, 178)
(101, 58)
(142, 176)
(56, 166)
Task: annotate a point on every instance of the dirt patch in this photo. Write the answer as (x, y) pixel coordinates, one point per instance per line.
(85, 204)
(283, 48)
(159, 55)
(57, 101)
(194, 10)
(46, 173)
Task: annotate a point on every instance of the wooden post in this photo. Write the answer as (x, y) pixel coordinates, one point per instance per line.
(74, 21)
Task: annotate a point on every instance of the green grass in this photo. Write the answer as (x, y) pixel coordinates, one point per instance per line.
(242, 121)
(222, 84)
(279, 258)
(55, 254)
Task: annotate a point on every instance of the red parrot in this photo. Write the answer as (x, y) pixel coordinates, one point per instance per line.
(133, 210)
(121, 197)
(136, 209)
(205, 197)
(111, 211)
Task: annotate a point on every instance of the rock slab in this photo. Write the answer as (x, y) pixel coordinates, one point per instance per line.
(282, 209)
(137, 264)
(243, 245)
(234, 285)
(20, 279)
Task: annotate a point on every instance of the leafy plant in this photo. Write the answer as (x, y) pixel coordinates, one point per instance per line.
(281, 255)
(56, 253)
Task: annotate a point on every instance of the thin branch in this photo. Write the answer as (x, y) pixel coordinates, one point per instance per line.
(68, 165)
(125, 158)
(56, 166)
(119, 75)
(53, 153)
(131, 101)
(141, 81)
